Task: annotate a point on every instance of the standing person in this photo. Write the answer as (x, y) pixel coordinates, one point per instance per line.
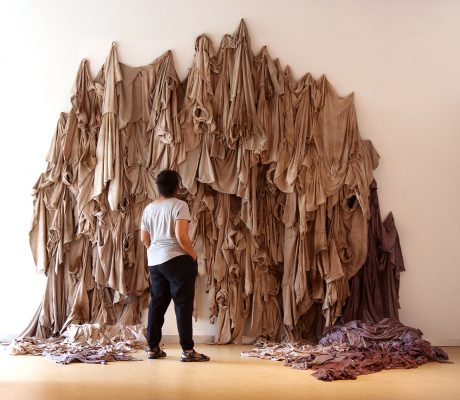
(172, 265)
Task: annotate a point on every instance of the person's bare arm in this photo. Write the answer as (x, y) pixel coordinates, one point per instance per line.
(181, 230)
(145, 238)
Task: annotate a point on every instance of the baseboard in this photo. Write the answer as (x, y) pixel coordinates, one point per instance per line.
(7, 338)
(201, 339)
(444, 342)
(167, 339)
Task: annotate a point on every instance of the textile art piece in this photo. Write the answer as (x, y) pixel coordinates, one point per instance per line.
(274, 169)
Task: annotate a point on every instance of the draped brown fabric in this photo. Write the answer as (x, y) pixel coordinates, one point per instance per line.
(375, 288)
(276, 175)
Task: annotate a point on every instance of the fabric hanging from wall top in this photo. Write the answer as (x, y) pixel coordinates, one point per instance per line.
(276, 174)
(375, 288)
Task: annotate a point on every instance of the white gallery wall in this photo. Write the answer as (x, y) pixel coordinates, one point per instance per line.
(401, 58)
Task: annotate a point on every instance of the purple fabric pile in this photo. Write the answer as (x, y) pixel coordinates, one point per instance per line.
(90, 355)
(373, 347)
(357, 348)
(86, 343)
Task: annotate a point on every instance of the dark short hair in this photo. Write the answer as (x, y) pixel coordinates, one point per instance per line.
(168, 182)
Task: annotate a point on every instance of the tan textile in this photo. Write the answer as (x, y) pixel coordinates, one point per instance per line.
(276, 175)
(88, 343)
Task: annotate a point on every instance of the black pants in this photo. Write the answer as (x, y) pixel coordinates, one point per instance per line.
(174, 279)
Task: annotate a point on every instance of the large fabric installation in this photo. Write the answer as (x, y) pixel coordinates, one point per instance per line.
(274, 169)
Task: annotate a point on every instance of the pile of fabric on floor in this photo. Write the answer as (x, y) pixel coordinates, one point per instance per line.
(87, 343)
(356, 348)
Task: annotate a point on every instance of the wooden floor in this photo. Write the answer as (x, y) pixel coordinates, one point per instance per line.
(226, 376)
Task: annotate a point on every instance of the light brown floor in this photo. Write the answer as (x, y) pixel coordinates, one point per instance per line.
(227, 376)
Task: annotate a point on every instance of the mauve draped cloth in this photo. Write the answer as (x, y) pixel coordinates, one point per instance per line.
(356, 348)
(375, 288)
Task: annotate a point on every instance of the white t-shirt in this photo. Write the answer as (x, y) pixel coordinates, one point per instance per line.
(159, 220)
